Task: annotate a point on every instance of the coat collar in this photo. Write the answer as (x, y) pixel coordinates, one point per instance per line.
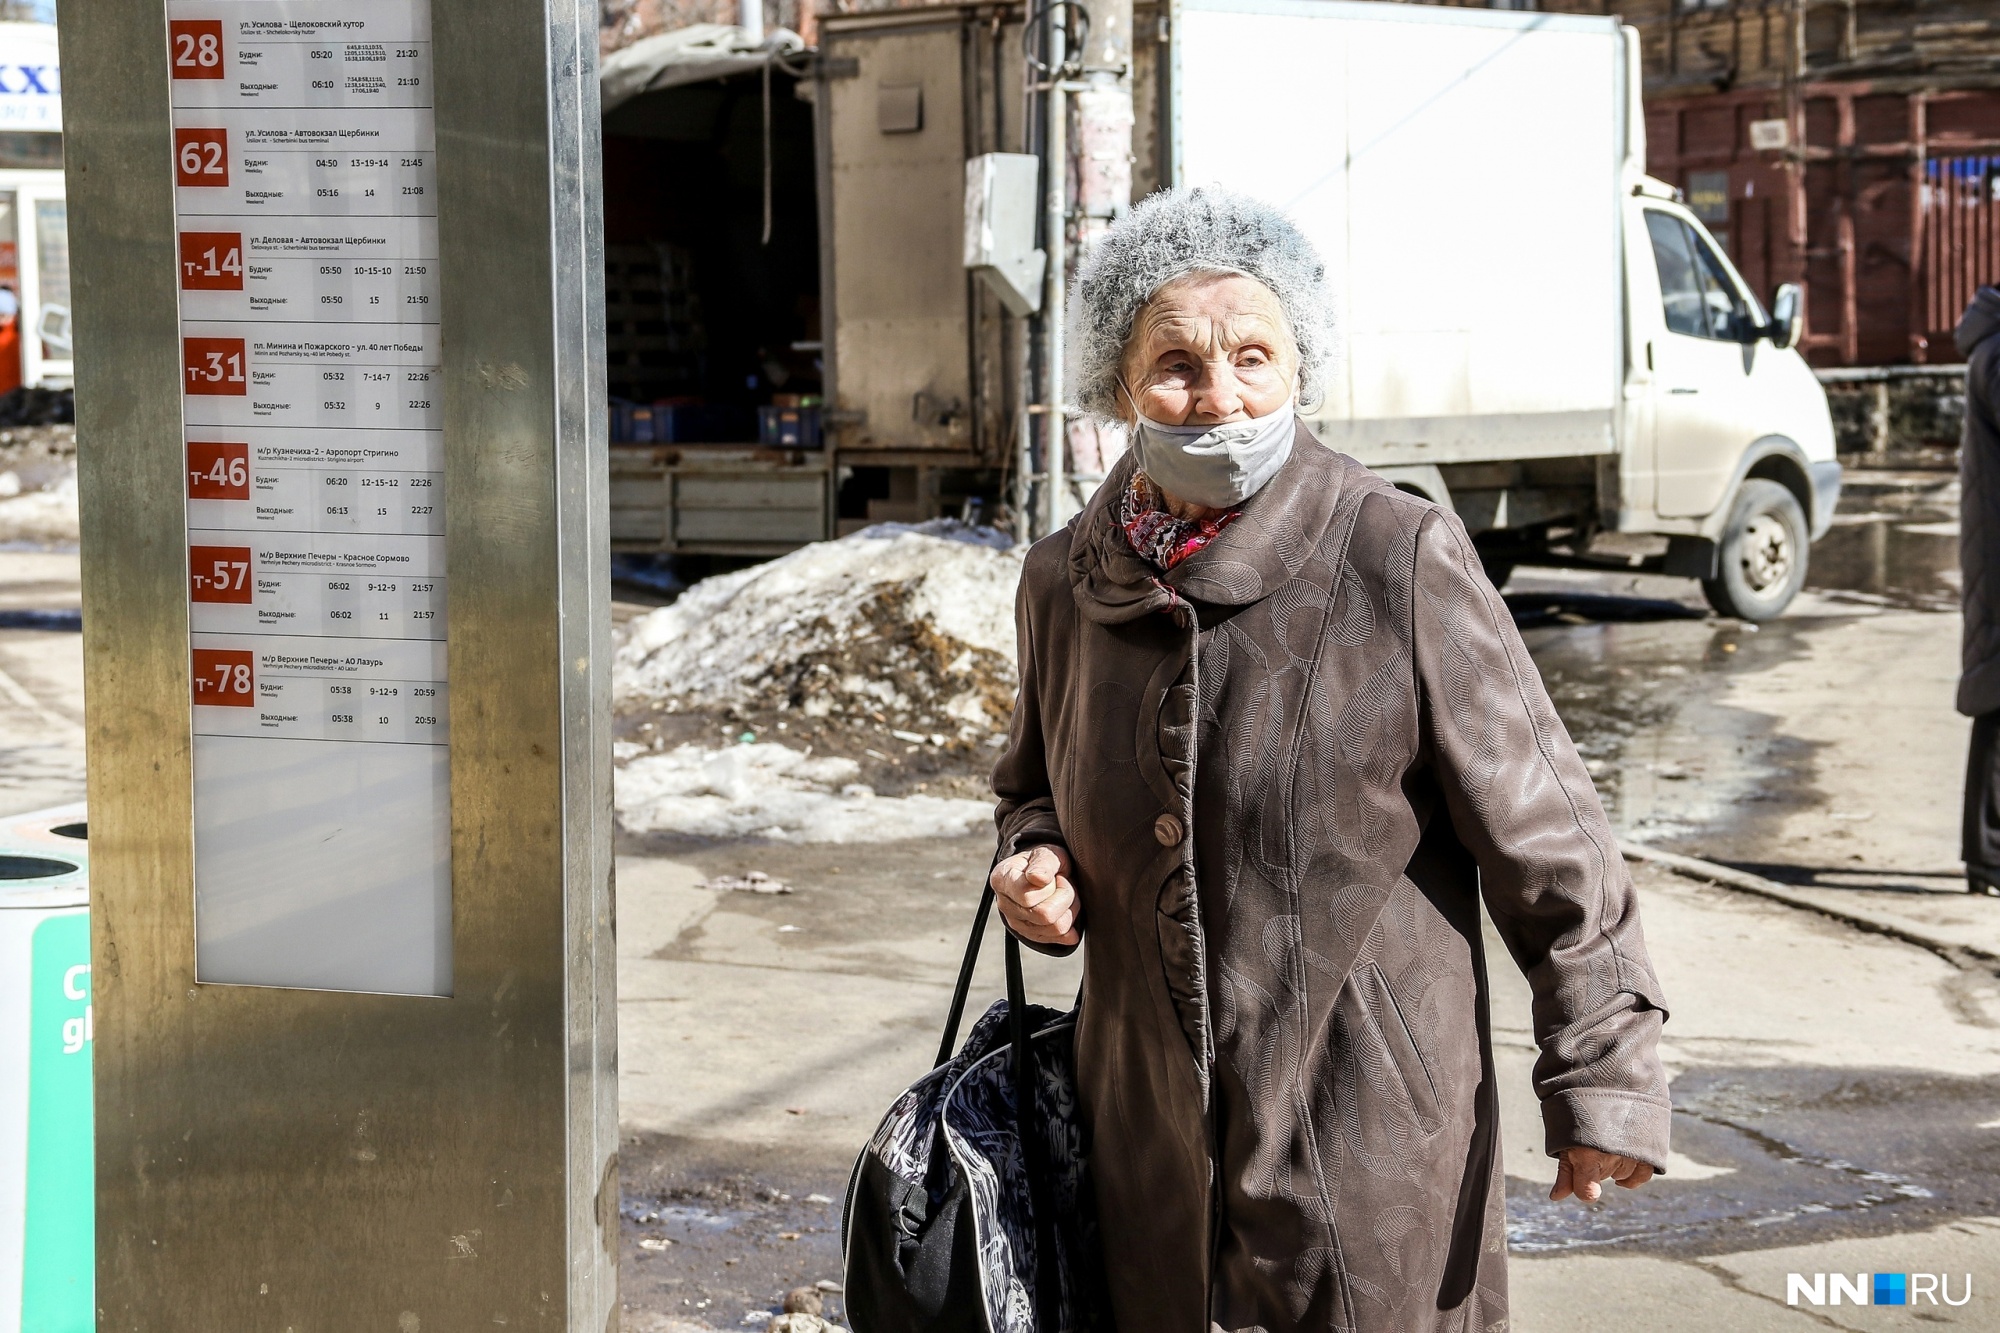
(1251, 559)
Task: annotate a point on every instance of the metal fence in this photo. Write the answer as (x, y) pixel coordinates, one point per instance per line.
(1959, 246)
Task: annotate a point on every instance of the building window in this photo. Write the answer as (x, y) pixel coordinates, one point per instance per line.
(1708, 196)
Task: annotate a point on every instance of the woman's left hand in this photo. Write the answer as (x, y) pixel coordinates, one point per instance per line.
(1580, 1169)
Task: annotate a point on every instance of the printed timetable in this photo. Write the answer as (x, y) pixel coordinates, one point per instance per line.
(305, 199)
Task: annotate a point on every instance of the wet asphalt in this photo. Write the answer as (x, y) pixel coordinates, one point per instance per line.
(1814, 1155)
(718, 1234)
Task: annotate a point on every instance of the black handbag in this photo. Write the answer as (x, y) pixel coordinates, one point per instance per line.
(970, 1210)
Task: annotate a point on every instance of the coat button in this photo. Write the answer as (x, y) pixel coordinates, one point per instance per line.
(1167, 829)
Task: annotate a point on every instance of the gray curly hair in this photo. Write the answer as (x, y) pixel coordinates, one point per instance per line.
(1177, 232)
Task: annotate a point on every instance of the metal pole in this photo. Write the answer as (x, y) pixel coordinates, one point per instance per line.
(1103, 156)
(1055, 159)
(1104, 121)
(1024, 443)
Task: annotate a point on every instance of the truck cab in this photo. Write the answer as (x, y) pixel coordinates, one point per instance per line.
(1729, 446)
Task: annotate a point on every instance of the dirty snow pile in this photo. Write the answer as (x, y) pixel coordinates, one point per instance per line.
(774, 791)
(906, 626)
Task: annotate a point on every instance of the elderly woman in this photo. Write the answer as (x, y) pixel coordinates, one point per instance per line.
(1276, 738)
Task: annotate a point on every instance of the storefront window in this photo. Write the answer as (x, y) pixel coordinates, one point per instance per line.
(52, 274)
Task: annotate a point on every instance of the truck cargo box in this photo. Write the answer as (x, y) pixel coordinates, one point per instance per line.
(1460, 170)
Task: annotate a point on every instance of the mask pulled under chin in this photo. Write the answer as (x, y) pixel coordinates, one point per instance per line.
(1215, 466)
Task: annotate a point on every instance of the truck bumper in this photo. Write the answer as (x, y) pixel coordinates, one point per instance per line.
(1826, 494)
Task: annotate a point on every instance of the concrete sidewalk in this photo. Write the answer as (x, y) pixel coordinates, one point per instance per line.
(1746, 1292)
(783, 1047)
(1950, 922)
(1756, 986)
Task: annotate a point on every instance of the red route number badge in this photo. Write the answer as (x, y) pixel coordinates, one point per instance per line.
(218, 471)
(225, 677)
(201, 157)
(219, 574)
(215, 367)
(211, 261)
(196, 45)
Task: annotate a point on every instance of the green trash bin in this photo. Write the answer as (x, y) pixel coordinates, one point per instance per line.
(47, 1208)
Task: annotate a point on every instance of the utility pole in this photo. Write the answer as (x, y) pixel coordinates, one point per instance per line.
(1055, 280)
(1104, 121)
(1088, 185)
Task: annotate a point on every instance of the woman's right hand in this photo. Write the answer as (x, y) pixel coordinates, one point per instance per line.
(1037, 900)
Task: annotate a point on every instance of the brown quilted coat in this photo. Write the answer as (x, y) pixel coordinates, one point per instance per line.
(1286, 772)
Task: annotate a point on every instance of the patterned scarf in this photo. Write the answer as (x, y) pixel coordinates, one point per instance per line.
(1155, 533)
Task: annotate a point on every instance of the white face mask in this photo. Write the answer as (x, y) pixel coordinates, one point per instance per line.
(1215, 466)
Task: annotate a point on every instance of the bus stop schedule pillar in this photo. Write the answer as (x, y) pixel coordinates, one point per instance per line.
(336, 296)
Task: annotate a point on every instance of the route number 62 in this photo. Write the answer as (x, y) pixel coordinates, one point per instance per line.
(201, 157)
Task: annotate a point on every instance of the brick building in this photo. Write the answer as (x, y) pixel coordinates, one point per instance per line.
(1852, 146)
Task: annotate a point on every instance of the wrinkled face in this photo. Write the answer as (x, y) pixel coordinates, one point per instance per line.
(1209, 348)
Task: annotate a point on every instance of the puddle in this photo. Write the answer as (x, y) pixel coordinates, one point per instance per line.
(718, 1233)
(1644, 701)
(1891, 546)
(1639, 670)
(1817, 1153)
(680, 1222)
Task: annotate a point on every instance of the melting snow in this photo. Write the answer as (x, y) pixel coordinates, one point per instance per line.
(42, 518)
(774, 791)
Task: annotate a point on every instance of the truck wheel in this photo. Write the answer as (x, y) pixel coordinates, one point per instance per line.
(1763, 556)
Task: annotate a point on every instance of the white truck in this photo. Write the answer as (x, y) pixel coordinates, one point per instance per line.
(1536, 333)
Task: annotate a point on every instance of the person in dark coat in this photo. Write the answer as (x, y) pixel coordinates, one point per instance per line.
(1979, 560)
(1277, 738)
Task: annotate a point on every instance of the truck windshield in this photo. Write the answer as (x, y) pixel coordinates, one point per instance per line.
(1695, 287)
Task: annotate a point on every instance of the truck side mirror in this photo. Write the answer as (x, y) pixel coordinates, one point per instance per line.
(1788, 318)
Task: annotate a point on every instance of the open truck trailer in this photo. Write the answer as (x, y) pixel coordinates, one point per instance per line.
(1534, 332)
(745, 205)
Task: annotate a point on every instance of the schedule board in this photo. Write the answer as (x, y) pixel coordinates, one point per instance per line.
(337, 296)
(305, 194)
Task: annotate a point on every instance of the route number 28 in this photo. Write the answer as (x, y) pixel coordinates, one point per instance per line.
(197, 48)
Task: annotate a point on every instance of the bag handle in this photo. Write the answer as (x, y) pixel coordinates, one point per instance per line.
(964, 987)
(1041, 1204)
(1021, 1066)
(1017, 1003)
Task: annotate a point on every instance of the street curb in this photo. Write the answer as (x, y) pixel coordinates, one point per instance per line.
(1965, 956)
